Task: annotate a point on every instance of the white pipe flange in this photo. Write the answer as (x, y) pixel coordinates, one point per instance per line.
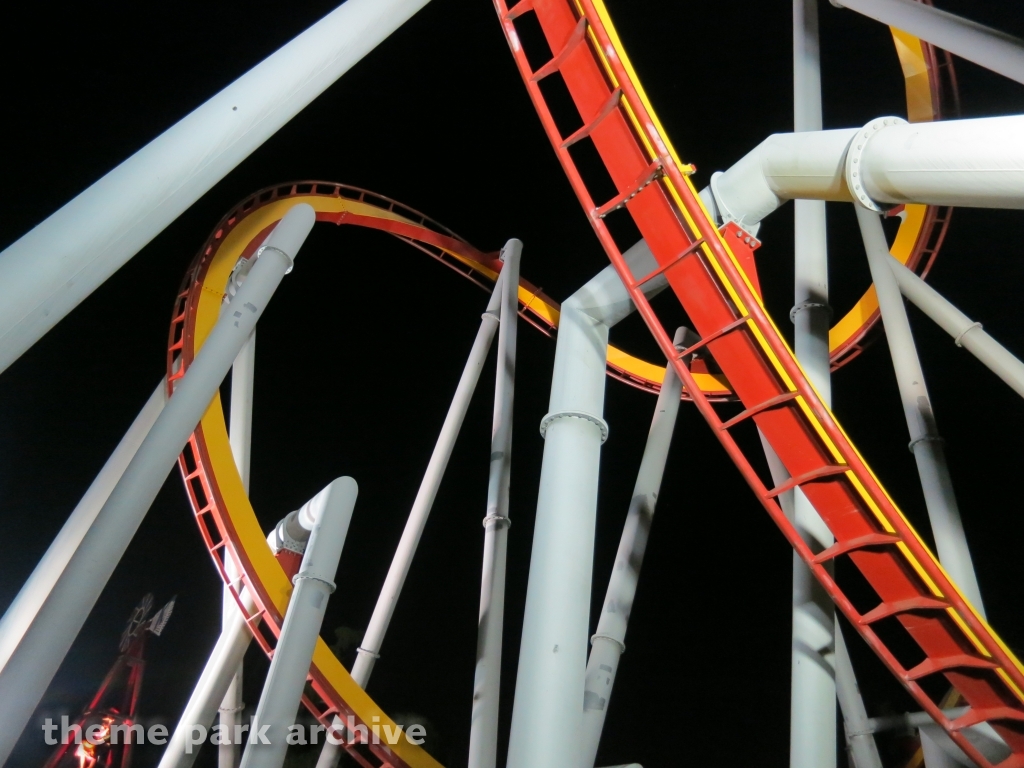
(601, 423)
(855, 161)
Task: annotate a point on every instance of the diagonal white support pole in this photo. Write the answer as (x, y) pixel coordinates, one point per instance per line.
(49, 270)
(369, 650)
(24, 678)
(609, 642)
(243, 373)
(483, 732)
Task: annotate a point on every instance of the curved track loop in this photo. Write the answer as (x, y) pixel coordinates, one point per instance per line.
(914, 597)
(226, 519)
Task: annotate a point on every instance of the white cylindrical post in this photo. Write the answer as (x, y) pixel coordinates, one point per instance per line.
(369, 650)
(30, 599)
(483, 732)
(609, 642)
(29, 670)
(969, 40)
(925, 442)
(812, 723)
(282, 691)
(243, 373)
(860, 740)
(548, 709)
(46, 273)
(964, 331)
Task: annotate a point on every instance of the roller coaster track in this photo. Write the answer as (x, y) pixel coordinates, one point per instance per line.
(705, 270)
(232, 532)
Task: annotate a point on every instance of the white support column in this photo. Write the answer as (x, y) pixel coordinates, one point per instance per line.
(483, 732)
(30, 599)
(965, 332)
(243, 373)
(969, 40)
(812, 725)
(282, 691)
(925, 442)
(860, 740)
(28, 672)
(369, 650)
(609, 642)
(548, 710)
(49, 270)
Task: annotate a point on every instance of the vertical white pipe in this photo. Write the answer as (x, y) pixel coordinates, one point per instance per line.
(859, 739)
(314, 583)
(369, 650)
(483, 732)
(925, 442)
(25, 677)
(548, 710)
(609, 642)
(30, 599)
(243, 373)
(812, 724)
(49, 270)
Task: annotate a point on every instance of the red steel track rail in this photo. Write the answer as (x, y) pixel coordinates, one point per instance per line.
(913, 591)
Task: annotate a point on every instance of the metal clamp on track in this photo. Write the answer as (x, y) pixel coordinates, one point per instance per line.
(924, 439)
(313, 576)
(808, 305)
(360, 649)
(498, 520)
(964, 332)
(601, 423)
(609, 638)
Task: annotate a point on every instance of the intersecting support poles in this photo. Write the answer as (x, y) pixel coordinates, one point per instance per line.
(548, 710)
(483, 733)
(29, 670)
(282, 692)
(242, 379)
(609, 642)
(925, 442)
(49, 270)
(369, 650)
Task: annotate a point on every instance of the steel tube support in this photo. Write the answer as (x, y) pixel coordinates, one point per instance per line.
(483, 732)
(967, 333)
(282, 691)
(609, 642)
(548, 709)
(969, 40)
(860, 740)
(925, 442)
(30, 599)
(48, 271)
(369, 650)
(812, 724)
(216, 680)
(29, 671)
(243, 373)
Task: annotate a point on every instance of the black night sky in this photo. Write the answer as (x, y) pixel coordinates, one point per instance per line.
(361, 348)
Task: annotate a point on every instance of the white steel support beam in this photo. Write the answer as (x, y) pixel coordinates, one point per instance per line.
(243, 373)
(812, 720)
(965, 332)
(369, 650)
(609, 642)
(969, 40)
(548, 710)
(28, 672)
(925, 442)
(483, 732)
(49, 270)
(314, 583)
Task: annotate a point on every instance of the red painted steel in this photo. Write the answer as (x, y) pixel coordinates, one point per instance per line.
(952, 639)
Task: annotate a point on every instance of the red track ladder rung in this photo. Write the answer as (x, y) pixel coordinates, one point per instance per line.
(690, 249)
(860, 542)
(807, 477)
(975, 716)
(517, 10)
(577, 37)
(885, 610)
(946, 663)
(651, 173)
(606, 109)
(774, 402)
(734, 325)
(1013, 761)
